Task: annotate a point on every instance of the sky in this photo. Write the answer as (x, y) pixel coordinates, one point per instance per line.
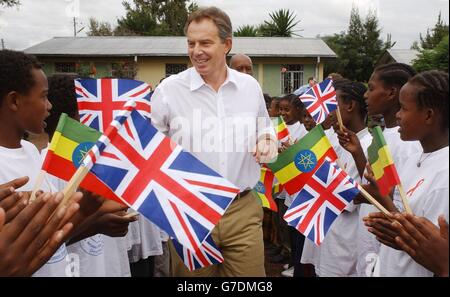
(38, 20)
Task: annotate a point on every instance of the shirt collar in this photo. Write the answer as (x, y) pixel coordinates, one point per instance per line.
(362, 133)
(197, 81)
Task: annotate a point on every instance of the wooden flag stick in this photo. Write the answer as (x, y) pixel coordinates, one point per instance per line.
(73, 184)
(373, 201)
(404, 199)
(339, 117)
(37, 185)
(130, 215)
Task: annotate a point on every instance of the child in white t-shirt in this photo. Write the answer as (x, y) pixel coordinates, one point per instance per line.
(92, 254)
(292, 110)
(382, 98)
(337, 254)
(423, 116)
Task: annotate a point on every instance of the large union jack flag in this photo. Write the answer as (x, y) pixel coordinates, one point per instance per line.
(320, 100)
(321, 200)
(154, 176)
(100, 100)
(207, 254)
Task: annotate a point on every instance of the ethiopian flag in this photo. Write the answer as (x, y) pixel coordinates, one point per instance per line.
(380, 160)
(297, 164)
(70, 142)
(264, 189)
(280, 128)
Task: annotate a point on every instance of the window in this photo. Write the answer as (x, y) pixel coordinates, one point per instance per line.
(68, 67)
(291, 78)
(123, 70)
(175, 69)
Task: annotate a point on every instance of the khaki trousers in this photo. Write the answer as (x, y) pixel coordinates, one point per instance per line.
(239, 237)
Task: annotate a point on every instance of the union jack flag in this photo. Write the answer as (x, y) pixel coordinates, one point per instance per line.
(320, 100)
(207, 254)
(99, 100)
(321, 200)
(154, 176)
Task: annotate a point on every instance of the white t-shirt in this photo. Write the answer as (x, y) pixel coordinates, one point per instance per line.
(145, 240)
(368, 246)
(95, 256)
(297, 131)
(427, 193)
(26, 161)
(337, 255)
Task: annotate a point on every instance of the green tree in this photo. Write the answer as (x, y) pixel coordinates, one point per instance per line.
(97, 28)
(281, 24)
(436, 58)
(358, 48)
(337, 43)
(9, 3)
(433, 38)
(246, 31)
(155, 17)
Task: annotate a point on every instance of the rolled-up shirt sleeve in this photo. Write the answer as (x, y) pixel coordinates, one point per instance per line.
(160, 114)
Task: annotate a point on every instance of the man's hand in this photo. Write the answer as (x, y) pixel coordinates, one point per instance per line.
(266, 149)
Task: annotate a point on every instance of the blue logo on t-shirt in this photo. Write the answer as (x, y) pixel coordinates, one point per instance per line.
(59, 255)
(93, 245)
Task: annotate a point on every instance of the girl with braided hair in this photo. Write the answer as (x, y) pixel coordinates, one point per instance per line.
(423, 116)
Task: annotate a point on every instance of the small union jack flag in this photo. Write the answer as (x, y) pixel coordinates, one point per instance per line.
(320, 100)
(99, 100)
(154, 176)
(207, 254)
(321, 200)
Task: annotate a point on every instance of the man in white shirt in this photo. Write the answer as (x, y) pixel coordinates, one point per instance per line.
(219, 115)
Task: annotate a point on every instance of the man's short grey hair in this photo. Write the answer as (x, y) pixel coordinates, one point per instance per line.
(218, 16)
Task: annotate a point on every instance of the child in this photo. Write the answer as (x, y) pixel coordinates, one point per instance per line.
(292, 110)
(337, 255)
(274, 107)
(99, 254)
(382, 98)
(423, 116)
(24, 107)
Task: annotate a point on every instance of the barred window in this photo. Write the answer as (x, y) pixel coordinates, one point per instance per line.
(291, 78)
(66, 67)
(123, 70)
(175, 69)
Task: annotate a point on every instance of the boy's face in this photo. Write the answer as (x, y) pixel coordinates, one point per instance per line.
(308, 121)
(274, 109)
(287, 112)
(411, 118)
(376, 96)
(34, 106)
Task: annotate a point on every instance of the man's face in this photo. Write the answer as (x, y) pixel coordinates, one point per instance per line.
(206, 50)
(242, 64)
(312, 83)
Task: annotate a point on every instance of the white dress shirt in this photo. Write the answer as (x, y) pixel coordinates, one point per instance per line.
(219, 128)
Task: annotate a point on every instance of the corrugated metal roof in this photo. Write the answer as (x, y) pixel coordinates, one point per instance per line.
(176, 46)
(405, 56)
